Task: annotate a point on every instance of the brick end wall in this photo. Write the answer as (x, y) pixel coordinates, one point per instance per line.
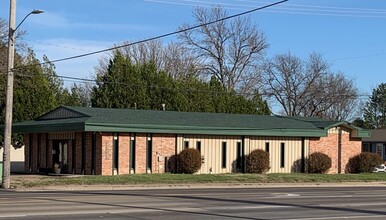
(350, 147)
(329, 145)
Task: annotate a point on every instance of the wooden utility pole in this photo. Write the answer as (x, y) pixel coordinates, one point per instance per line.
(6, 182)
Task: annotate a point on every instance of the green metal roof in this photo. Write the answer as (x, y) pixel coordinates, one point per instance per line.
(65, 118)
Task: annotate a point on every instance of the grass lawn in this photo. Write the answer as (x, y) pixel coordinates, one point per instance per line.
(175, 179)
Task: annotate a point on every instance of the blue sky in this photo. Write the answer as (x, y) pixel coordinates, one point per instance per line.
(350, 34)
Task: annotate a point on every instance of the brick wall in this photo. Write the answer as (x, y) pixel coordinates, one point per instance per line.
(124, 151)
(329, 145)
(69, 158)
(49, 158)
(98, 154)
(88, 151)
(350, 148)
(34, 146)
(163, 146)
(107, 154)
(140, 153)
(78, 153)
(26, 152)
(43, 143)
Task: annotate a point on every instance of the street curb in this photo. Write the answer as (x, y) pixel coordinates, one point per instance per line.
(199, 186)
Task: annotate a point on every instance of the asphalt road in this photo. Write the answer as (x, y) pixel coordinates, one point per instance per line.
(224, 203)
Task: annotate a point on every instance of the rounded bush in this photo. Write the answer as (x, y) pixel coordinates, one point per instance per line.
(363, 162)
(319, 163)
(257, 162)
(189, 161)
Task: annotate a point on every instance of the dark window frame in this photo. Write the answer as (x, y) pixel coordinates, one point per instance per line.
(149, 150)
(198, 146)
(115, 152)
(282, 155)
(239, 155)
(132, 152)
(223, 155)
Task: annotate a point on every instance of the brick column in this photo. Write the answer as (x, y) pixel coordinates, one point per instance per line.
(124, 151)
(34, 152)
(140, 153)
(69, 156)
(107, 154)
(88, 146)
(26, 152)
(78, 152)
(42, 152)
(98, 154)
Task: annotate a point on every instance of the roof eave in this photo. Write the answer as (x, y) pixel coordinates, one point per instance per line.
(204, 130)
(47, 128)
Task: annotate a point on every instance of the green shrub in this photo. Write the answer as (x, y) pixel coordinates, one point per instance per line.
(189, 161)
(257, 162)
(319, 163)
(363, 162)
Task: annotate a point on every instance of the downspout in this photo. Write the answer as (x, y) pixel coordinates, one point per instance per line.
(339, 150)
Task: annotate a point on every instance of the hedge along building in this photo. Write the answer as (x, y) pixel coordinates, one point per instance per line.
(104, 141)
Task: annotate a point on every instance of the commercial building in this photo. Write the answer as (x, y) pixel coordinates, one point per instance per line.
(105, 141)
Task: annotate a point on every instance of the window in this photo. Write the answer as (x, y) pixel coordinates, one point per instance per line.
(115, 151)
(149, 149)
(198, 146)
(366, 147)
(132, 152)
(223, 155)
(282, 155)
(186, 144)
(267, 147)
(239, 155)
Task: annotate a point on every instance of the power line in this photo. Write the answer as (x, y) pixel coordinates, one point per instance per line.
(160, 36)
(288, 8)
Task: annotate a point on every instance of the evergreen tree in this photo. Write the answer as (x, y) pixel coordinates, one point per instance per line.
(141, 85)
(375, 109)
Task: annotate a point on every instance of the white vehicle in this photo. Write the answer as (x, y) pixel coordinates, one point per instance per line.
(381, 168)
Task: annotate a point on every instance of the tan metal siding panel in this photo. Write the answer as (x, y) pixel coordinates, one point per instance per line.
(211, 149)
(292, 151)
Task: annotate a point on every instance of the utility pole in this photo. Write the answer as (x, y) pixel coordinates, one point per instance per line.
(6, 184)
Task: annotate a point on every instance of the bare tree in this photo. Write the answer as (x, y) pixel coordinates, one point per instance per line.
(174, 59)
(309, 88)
(230, 50)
